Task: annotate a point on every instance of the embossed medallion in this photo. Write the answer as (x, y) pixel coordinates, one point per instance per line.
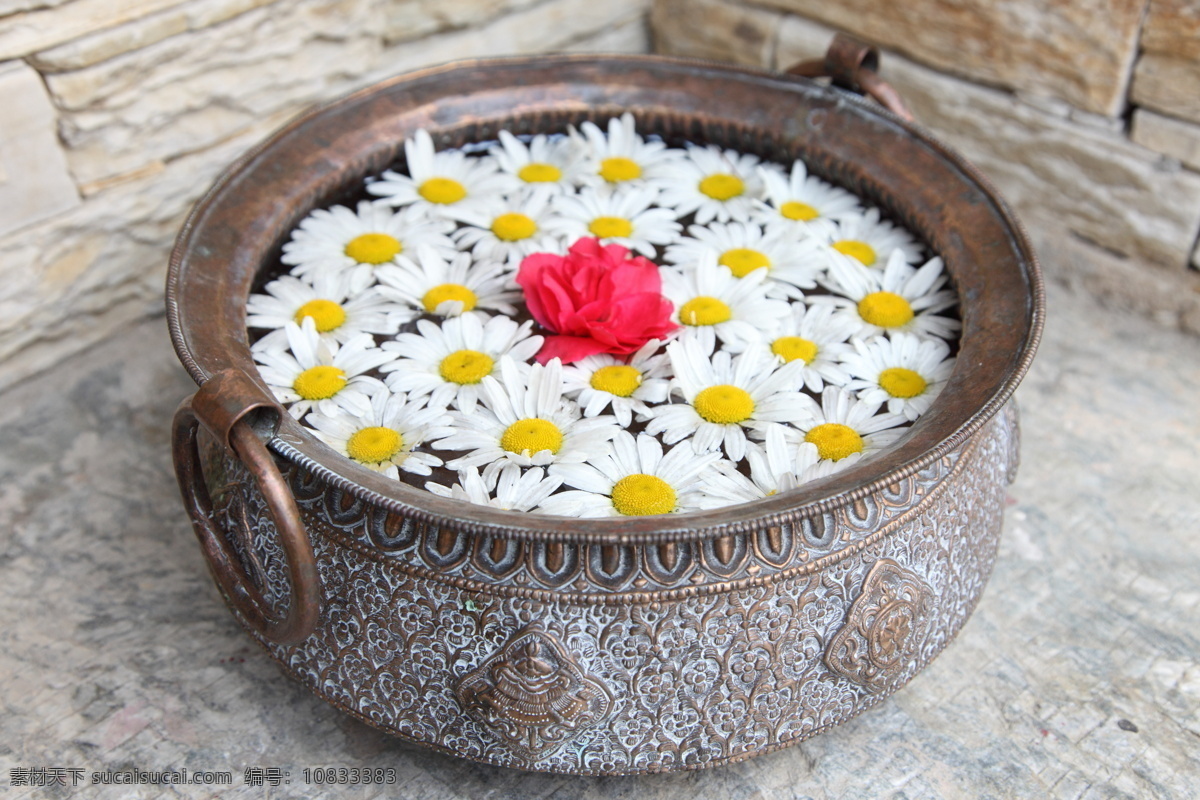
(533, 695)
(885, 627)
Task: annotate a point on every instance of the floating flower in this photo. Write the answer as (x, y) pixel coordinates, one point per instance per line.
(710, 304)
(743, 248)
(321, 374)
(623, 158)
(339, 238)
(897, 299)
(775, 466)
(870, 240)
(510, 228)
(903, 371)
(342, 304)
(817, 337)
(713, 184)
(525, 420)
(556, 162)
(845, 427)
(510, 489)
(725, 397)
(628, 386)
(596, 299)
(387, 437)
(635, 480)
(450, 361)
(433, 285)
(438, 181)
(799, 200)
(624, 217)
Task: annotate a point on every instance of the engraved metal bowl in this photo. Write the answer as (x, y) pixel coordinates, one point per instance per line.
(599, 646)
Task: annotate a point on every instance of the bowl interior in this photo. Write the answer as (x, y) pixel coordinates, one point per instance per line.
(232, 241)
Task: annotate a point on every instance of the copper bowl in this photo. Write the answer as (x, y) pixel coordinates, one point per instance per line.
(600, 646)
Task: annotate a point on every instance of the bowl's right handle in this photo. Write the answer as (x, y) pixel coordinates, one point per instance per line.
(225, 406)
(854, 65)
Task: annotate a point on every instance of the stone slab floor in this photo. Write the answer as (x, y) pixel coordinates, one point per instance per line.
(1078, 676)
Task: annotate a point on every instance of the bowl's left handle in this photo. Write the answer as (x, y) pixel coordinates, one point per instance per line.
(240, 415)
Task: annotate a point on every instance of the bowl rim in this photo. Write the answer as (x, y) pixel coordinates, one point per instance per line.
(295, 444)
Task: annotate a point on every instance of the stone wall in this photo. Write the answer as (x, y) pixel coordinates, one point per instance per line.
(119, 113)
(1085, 114)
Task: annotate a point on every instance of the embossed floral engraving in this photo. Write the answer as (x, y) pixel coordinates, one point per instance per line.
(885, 627)
(533, 695)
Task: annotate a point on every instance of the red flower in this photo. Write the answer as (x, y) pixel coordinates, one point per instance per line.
(596, 298)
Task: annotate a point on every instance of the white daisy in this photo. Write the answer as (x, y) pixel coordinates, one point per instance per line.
(817, 336)
(710, 304)
(624, 158)
(511, 489)
(713, 184)
(744, 248)
(800, 200)
(628, 386)
(525, 420)
(321, 374)
(450, 361)
(725, 396)
(905, 372)
(434, 286)
(845, 427)
(896, 299)
(636, 479)
(627, 218)
(776, 466)
(324, 299)
(870, 240)
(558, 162)
(338, 238)
(438, 181)
(509, 227)
(385, 439)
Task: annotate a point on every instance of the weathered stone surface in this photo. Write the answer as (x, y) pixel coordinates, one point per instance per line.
(31, 31)
(34, 182)
(629, 36)
(1111, 192)
(142, 32)
(1078, 676)
(1172, 26)
(14, 6)
(1167, 135)
(413, 19)
(1168, 84)
(1079, 51)
(714, 29)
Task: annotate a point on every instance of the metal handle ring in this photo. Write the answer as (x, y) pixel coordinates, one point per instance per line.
(304, 609)
(854, 65)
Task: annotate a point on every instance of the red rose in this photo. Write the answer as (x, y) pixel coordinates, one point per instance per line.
(596, 298)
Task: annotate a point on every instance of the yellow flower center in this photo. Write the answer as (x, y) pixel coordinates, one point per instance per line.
(794, 209)
(466, 366)
(442, 191)
(901, 382)
(856, 249)
(319, 383)
(617, 379)
(373, 248)
(705, 310)
(790, 348)
(724, 404)
(619, 168)
(835, 441)
(610, 227)
(449, 291)
(722, 186)
(513, 227)
(639, 495)
(529, 436)
(885, 309)
(535, 172)
(742, 261)
(325, 314)
(374, 445)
